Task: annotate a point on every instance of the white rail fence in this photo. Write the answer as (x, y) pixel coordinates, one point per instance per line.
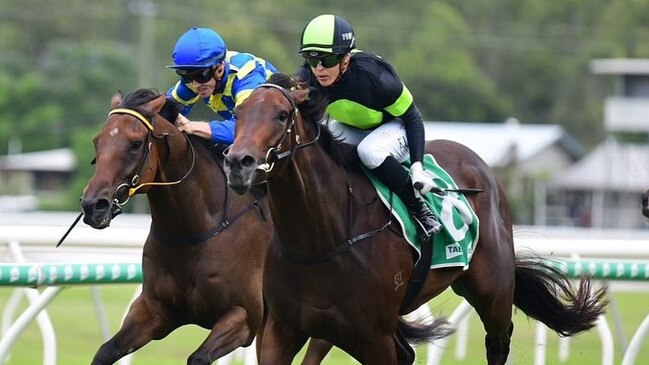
(29, 259)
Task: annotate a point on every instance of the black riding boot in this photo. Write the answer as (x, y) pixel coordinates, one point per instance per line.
(397, 179)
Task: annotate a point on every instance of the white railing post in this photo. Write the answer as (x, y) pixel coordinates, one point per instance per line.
(436, 348)
(42, 318)
(23, 321)
(636, 343)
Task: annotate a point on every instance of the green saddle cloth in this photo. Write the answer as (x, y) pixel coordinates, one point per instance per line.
(452, 246)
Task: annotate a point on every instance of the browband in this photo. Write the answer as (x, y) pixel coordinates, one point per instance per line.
(133, 113)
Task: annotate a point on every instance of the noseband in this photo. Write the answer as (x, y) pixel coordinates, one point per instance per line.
(133, 185)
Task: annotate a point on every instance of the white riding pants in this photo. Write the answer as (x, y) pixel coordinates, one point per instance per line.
(374, 145)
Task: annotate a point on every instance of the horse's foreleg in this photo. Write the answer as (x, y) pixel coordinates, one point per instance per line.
(316, 352)
(280, 344)
(230, 332)
(140, 326)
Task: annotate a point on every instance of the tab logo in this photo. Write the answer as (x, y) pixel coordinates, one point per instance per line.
(453, 250)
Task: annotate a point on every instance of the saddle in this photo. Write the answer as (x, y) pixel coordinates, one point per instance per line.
(453, 245)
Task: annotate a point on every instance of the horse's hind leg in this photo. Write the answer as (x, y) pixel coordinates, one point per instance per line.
(140, 326)
(488, 286)
(230, 332)
(495, 312)
(381, 350)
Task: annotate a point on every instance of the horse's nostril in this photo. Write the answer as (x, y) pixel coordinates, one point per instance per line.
(247, 161)
(102, 205)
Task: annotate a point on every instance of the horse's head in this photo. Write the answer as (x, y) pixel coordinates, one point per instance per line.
(265, 133)
(124, 154)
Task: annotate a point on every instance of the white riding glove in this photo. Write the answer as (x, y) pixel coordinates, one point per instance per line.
(421, 181)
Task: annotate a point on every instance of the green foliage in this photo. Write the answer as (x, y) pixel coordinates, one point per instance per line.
(449, 85)
(464, 60)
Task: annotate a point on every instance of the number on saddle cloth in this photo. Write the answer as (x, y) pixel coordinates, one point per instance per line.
(454, 245)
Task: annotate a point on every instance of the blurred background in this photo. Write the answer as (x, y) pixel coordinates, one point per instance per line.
(553, 95)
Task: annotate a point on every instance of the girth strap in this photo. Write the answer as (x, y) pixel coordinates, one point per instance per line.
(420, 272)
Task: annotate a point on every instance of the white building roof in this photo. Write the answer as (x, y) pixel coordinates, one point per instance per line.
(61, 159)
(620, 66)
(610, 166)
(491, 141)
(494, 141)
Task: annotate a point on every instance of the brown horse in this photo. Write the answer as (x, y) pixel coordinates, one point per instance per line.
(203, 259)
(645, 203)
(332, 271)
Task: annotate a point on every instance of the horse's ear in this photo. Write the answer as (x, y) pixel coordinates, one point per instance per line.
(156, 104)
(301, 95)
(116, 99)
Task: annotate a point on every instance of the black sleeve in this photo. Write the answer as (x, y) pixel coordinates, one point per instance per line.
(414, 125)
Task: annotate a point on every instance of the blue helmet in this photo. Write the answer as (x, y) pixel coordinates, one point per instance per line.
(198, 48)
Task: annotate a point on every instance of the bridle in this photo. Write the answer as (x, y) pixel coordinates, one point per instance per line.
(273, 154)
(134, 184)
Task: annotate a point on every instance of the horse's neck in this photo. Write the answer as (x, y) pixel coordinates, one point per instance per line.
(312, 194)
(196, 203)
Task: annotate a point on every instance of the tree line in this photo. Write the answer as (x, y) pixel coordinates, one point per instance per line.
(463, 60)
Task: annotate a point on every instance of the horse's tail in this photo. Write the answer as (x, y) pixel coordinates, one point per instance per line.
(418, 331)
(544, 293)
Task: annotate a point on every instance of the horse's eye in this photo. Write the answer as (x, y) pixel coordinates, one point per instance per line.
(135, 146)
(282, 116)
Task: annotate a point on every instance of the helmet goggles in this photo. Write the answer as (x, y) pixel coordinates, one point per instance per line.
(201, 75)
(327, 60)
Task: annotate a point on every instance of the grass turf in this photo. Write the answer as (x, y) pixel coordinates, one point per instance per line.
(78, 333)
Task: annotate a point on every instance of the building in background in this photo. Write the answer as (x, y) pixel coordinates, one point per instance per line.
(28, 178)
(603, 190)
(523, 156)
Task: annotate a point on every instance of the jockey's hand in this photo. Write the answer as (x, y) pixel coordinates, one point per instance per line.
(421, 181)
(183, 124)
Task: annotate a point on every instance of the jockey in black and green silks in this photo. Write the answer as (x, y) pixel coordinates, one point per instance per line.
(371, 108)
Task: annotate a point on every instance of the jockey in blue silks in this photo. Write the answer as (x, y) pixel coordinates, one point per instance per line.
(220, 78)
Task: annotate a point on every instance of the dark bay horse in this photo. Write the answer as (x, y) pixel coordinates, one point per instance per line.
(334, 273)
(203, 259)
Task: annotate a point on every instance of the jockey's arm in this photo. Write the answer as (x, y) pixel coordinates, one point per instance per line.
(414, 126)
(198, 128)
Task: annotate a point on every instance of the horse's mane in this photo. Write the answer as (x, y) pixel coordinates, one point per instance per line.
(312, 111)
(135, 99)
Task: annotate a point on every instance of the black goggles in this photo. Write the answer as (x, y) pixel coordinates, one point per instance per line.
(201, 75)
(326, 61)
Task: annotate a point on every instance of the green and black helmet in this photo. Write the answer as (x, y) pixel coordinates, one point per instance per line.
(327, 34)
